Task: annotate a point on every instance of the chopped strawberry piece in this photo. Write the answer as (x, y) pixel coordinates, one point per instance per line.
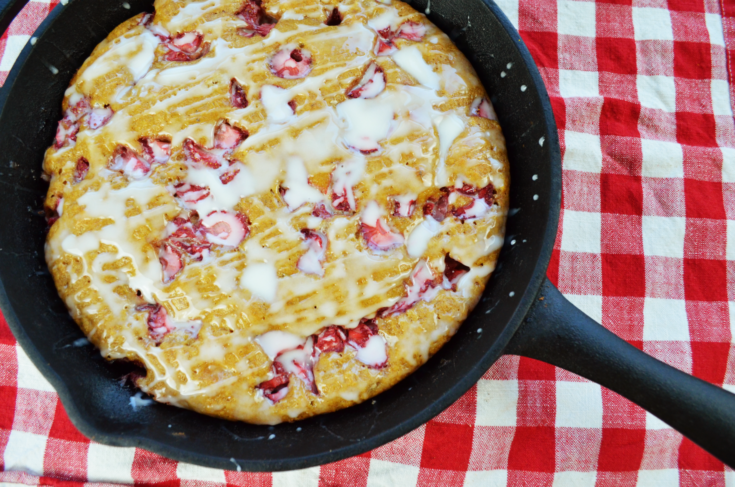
(412, 31)
(187, 42)
(334, 18)
(171, 262)
(79, 109)
(183, 57)
(482, 107)
(387, 33)
(159, 323)
(454, 270)
(66, 133)
(475, 209)
(188, 238)
(437, 206)
(467, 189)
(362, 332)
(156, 150)
(311, 262)
(370, 85)
(385, 48)
(403, 206)
(423, 285)
(226, 228)
(146, 20)
(344, 177)
(230, 175)
(276, 388)
(331, 339)
(126, 160)
(99, 117)
(291, 63)
(81, 169)
(228, 137)
(238, 98)
(376, 232)
(190, 194)
(199, 157)
(321, 211)
(256, 19)
(488, 194)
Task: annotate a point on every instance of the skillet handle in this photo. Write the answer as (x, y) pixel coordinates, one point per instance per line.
(555, 331)
(9, 9)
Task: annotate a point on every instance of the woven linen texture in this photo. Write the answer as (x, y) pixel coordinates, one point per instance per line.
(642, 92)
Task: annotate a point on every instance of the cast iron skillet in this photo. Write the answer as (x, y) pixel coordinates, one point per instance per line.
(521, 312)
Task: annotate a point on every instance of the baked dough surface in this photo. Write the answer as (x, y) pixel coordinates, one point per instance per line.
(278, 209)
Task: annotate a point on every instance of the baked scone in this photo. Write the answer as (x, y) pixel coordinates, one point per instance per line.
(277, 208)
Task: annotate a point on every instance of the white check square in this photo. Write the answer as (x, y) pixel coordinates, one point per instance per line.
(581, 232)
(25, 452)
(730, 245)
(576, 18)
(714, 27)
(14, 45)
(578, 405)
(573, 84)
(187, 471)
(728, 164)
(664, 236)
(489, 478)
(29, 376)
(653, 423)
(110, 464)
(497, 402)
(582, 152)
(657, 92)
(388, 474)
(720, 97)
(591, 305)
(665, 320)
(510, 9)
(574, 479)
(652, 24)
(658, 478)
(662, 159)
(308, 477)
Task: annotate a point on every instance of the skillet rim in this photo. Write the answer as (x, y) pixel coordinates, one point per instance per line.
(448, 397)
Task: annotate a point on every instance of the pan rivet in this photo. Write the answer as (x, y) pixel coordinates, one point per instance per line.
(535, 197)
(479, 330)
(298, 429)
(541, 141)
(512, 294)
(523, 87)
(502, 75)
(534, 177)
(271, 437)
(512, 242)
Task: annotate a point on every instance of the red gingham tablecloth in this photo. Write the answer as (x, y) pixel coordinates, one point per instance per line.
(643, 96)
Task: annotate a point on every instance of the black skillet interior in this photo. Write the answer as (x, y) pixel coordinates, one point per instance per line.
(90, 387)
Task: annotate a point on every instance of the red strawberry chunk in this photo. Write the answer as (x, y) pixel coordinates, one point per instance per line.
(482, 107)
(423, 285)
(276, 388)
(454, 270)
(99, 117)
(156, 150)
(437, 207)
(126, 160)
(187, 42)
(159, 323)
(385, 48)
(171, 262)
(199, 157)
(311, 262)
(256, 18)
(403, 206)
(231, 174)
(331, 339)
(190, 194)
(81, 169)
(488, 194)
(370, 85)
(238, 98)
(291, 63)
(321, 211)
(78, 110)
(226, 228)
(360, 335)
(185, 237)
(228, 137)
(380, 237)
(334, 18)
(466, 189)
(412, 31)
(66, 132)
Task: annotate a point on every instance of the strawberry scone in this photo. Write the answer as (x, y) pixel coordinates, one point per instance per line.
(277, 208)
